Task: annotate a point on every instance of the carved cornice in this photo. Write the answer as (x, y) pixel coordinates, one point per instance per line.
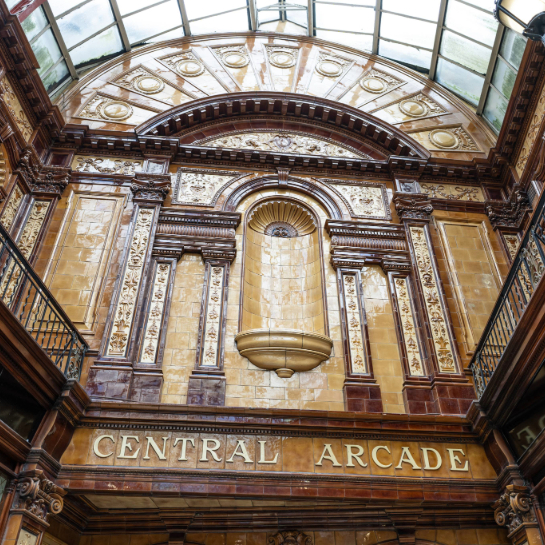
(413, 206)
(509, 214)
(42, 180)
(150, 188)
(514, 509)
(37, 497)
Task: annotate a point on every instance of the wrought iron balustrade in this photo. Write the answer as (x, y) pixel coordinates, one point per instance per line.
(521, 283)
(24, 293)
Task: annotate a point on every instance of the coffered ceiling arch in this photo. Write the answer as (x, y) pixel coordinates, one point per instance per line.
(149, 90)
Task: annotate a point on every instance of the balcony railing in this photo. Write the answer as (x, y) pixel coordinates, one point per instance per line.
(24, 293)
(520, 285)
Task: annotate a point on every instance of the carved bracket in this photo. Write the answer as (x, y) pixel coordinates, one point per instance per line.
(509, 214)
(413, 206)
(42, 180)
(37, 496)
(514, 508)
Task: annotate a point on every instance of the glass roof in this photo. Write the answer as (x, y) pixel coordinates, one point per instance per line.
(457, 43)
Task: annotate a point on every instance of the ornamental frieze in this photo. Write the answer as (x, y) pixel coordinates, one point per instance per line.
(106, 165)
(465, 193)
(365, 200)
(282, 141)
(200, 187)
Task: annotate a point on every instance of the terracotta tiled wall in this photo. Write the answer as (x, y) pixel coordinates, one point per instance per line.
(385, 356)
(467, 536)
(283, 283)
(183, 325)
(472, 265)
(127, 539)
(48, 268)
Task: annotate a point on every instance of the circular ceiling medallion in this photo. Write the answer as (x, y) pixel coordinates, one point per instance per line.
(235, 59)
(444, 139)
(282, 59)
(373, 85)
(413, 108)
(116, 111)
(190, 68)
(149, 85)
(329, 68)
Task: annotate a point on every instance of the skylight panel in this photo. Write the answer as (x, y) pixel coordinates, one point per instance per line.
(466, 52)
(423, 9)
(409, 31)
(460, 81)
(406, 54)
(234, 21)
(130, 6)
(35, 23)
(471, 22)
(152, 21)
(197, 9)
(342, 17)
(358, 41)
(105, 44)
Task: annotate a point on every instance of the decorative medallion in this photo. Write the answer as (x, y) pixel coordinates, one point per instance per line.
(141, 80)
(408, 330)
(116, 110)
(106, 165)
(233, 56)
(364, 200)
(420, 106)
(12, 207)
(200, 187)
(434, 308)
(187, 64)
(451, 139)
(354, 325)
(281, 141)
(282, 57)
(444, 139)
(331, 66)
(124, 313)
(377, 82)
(156, 309)
(453, 192)
(281, 229)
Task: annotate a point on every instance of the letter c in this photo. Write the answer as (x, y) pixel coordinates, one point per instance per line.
(375, 459)
(97, 443)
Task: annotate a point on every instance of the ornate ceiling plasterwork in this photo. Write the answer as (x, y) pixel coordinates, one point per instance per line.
(282, 141)
(206, 66)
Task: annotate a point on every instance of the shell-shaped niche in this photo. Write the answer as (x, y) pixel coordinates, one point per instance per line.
(283, 322)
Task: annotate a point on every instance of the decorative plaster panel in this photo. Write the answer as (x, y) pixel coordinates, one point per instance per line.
(453, 192)
(15, 109)
(213, 311)
(354, 325)
(435, 311)
(200, 187)
(531, 134)
(446, 139)
(280, 141)
(512, 242)
(365, 200)
(12, 207)
(124, 313)
(106, 165)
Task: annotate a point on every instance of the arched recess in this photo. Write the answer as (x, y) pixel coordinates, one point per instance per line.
(334, 206)
(345, 120)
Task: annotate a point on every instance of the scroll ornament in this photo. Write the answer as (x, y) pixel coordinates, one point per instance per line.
(514, 508)
(290, 537)
(38, 496)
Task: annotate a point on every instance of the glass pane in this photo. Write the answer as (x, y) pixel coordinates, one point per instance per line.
(128, 6)
(56, 77)
(152, 21)
(359, 41)
(504, 78)
(425, 9)
(47, 51)
(485, 4)
(512, 47)
(199, 8)
(106, 43)
(34, 23)
(234, 21)
(269, 14)
(348, 18)
(495, 108)
(465, 84)
(405, 54)
(176, 33)
(85, 21)
(284, 27)
(465, 52)
(354, 2)
(471, 22)
(60, 6)
(12, 3)
(410, 31)
(299, 17)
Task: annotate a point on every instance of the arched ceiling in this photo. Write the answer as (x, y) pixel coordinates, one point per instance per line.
(141, 87)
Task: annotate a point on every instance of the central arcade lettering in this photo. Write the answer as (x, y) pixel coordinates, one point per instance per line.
(132, 448)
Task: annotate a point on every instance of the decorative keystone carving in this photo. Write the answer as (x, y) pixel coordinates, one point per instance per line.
(151, 188)
(511, 213)
(37, 496)
(514, 508)
(291, 537)
(413, 206)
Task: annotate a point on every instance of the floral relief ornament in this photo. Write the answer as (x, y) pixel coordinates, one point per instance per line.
(123, 167)
(213, 314)
(436, 315)
(199, 187)
(365, 200)
(131, 281)
(353, 317)
(15, 109)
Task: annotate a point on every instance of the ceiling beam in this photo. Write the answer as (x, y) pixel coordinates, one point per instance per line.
(491, 66)
(378, 15)
(185, 19)
(121, 26)
(438, 35)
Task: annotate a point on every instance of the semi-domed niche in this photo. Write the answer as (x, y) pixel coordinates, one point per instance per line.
(283, 323)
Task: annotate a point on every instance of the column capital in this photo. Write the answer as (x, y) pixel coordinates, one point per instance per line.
(514, 509)
(509, 214)
(150, 188)
(412, 206)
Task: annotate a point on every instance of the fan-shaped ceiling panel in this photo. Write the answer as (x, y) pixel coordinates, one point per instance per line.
(130, 90)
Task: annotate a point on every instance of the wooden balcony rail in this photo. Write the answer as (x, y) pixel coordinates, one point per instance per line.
(24, 293)
(521, 283)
